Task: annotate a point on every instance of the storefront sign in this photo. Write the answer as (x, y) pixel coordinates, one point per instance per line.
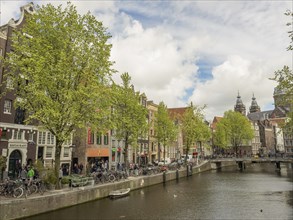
(17, 145)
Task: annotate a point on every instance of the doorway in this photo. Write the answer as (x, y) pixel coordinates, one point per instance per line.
(14, 165)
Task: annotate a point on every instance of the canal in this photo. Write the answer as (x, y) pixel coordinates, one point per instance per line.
(259, 192)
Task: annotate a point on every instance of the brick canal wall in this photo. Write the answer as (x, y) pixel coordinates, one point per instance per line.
(19, 208)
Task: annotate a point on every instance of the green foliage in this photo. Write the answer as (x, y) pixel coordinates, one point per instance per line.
(50, 177)
(2, 163)
(233, 130)
(65, 180)
(165, 129)
(61, 69)
(129, 115)
(290, 24)
(194, 128)
(284, 78)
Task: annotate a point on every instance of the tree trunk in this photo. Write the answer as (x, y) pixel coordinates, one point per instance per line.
(164, 154)
(126, 151)
(57, 162)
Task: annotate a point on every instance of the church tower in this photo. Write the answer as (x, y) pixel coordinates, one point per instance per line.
(240, 107)
(254, 106)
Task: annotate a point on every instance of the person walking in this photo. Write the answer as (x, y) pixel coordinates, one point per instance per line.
(30, 175)
(23, 174)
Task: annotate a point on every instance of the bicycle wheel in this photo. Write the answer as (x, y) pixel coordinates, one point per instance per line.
(18, 192)
(42, 189)
(112, 178)
(33, 189)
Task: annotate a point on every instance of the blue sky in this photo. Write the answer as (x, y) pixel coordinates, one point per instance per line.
(199, 51)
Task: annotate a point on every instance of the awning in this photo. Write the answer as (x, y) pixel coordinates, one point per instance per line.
(97, 152)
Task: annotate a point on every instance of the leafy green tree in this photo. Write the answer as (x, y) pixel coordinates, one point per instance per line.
(194, 128)
(2, 165)
(60, 69)
(165, 129)
(233, 131)
(284, 77)
(129, 115)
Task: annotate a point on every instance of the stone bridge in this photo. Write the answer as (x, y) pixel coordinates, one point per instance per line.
(241, 161)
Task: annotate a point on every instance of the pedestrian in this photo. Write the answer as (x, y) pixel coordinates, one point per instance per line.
(106, 165)
(30, 175)
(23, 174)
(136, 169)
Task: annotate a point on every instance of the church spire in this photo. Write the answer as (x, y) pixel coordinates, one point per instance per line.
(254, 106)
(240, 107)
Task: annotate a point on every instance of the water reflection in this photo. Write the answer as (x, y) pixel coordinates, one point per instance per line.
(256, 193)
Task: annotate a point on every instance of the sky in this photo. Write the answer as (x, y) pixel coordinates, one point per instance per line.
(203, 52)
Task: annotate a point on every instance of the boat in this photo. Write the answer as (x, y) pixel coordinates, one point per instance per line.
(119, 193)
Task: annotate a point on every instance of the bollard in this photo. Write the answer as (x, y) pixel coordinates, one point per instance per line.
(177, 174)
(164, 176)
(190, 170)
(278, 166)
(240, 165)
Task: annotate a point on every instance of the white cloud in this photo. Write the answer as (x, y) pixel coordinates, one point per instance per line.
(235, 74)
(159, 42)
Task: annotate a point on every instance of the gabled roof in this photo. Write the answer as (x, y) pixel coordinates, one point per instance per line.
(257, 116)
(279, 112)
(215, 121)
(176, 112)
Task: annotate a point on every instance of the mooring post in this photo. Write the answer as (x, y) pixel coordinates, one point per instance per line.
(240, 165)
(278, 165)
(190, 169)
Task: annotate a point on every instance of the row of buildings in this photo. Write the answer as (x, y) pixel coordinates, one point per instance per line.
(24, 144)
(270, 138)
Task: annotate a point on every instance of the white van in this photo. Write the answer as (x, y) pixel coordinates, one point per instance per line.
(188, 159)
(164, 162)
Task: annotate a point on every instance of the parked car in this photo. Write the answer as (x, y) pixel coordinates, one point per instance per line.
(188, 158)
(165, 161)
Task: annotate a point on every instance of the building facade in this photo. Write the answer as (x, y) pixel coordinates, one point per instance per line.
(21, 144)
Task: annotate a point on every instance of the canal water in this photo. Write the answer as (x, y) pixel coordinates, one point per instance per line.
(259, 192)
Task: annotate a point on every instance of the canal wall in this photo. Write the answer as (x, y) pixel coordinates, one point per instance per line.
(57, 199)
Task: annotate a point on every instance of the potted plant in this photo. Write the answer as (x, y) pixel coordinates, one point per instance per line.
(65, 182)
(50, 179)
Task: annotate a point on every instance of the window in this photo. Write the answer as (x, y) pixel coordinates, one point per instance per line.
(106, 141)
(9, 83)
(50, 138)
(30, 137)
(90, 138)
(99, 138)
(3, 133)
(17, 135)
(66, 152)
(49, 152)
(7, 106)
(42, 137)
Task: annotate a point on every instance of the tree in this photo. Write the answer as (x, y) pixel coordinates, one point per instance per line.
(165, 129)
(233, 131)
(2, 166)
(284, 79)
(194, 128)
(129, 115)
(60, 68)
